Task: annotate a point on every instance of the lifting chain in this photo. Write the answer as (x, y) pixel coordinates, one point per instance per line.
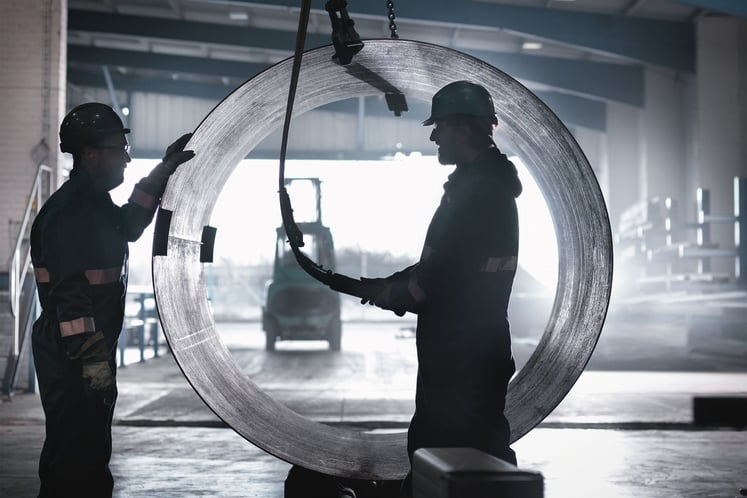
(392, 24)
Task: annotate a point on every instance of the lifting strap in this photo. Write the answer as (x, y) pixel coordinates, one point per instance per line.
(336, 281)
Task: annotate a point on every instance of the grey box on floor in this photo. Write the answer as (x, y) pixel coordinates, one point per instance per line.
(470, 473)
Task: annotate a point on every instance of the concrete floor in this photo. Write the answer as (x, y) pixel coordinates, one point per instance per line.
(617, 434)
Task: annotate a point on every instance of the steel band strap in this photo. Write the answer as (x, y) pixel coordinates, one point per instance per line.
(103, 276)
(143, 199)
(505, 263)
(41, 275)
(77, 326)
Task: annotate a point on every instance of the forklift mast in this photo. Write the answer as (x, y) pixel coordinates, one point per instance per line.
(306, 193)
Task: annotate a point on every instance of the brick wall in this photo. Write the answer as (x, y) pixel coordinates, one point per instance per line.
(32, 100)
(33, 53)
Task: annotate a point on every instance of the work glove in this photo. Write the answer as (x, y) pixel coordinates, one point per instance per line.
(378, 291)
(91, 352)
(98, 380)
(174, 156)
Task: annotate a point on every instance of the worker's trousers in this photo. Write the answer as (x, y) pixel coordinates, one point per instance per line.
(75, 458)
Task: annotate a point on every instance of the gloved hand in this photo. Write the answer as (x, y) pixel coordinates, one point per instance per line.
(91, 352)
(98, 380)
(86, 347)
(379, 292)
(174, 156)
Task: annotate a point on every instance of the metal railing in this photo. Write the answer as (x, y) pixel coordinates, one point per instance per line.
(18, 268)
(662, 247)
(141, 328)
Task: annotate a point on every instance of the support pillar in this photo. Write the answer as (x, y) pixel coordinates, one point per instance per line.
(721, 152)
(664, 136)
(624, 153)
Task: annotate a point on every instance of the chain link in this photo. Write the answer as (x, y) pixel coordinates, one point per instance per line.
(392, 24)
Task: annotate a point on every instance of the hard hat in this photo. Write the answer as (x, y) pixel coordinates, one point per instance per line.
(461, 97)
(87, 124)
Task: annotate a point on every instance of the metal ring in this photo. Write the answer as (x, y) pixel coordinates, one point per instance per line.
(417, 69)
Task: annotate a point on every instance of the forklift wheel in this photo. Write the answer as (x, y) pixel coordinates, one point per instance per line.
(271, 335)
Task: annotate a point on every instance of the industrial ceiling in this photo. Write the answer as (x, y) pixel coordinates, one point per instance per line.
(577, 55)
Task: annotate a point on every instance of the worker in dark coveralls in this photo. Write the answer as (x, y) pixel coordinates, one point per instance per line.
(79, 251)
(461, 285)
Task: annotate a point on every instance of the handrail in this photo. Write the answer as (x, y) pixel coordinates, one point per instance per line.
(20, 261)
(13, 363)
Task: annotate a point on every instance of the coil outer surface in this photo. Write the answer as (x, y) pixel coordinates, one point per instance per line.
(251, 112)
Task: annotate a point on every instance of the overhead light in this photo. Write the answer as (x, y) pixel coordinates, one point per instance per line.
(238, 16)
(530, 45)
(126, 111)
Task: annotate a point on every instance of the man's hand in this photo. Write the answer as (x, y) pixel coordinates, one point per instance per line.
(98, 380)
(176, 155)
(91, 352)
(379, 293)
(87, 347)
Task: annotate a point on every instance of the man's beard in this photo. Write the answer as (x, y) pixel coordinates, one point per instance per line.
(445, 158)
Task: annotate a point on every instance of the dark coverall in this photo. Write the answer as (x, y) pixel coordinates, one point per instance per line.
(460, 290)
(79, 251)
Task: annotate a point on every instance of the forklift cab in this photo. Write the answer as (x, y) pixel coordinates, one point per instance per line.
(298, 307)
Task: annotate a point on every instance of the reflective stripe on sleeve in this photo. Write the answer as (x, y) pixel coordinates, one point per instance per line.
(504, 263)
(103, 276)
(41, 275)
(77, 326)
(143, 199)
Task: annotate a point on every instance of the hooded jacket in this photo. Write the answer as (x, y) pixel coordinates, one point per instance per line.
(467, 266)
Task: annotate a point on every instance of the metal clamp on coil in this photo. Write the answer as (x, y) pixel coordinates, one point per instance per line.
(344, 37)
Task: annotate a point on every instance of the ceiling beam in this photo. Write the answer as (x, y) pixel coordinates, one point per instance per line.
(614, 82)
(191, 31)
(633, 6)
(81, 77)
(651, 41)
(623, 83)
(83, 54)
(576, 111)
(732, 7)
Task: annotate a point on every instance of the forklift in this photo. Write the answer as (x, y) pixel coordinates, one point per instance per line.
(297, 306)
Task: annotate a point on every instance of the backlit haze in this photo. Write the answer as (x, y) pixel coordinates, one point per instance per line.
(377, 206)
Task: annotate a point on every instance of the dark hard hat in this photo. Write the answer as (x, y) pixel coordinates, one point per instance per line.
(88, 124)
(461, 97)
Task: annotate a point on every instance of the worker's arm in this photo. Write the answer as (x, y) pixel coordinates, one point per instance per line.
(138, 212)
(392, 293)
(472, 235)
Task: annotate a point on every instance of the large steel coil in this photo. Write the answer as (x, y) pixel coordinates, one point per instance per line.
(418, 70)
